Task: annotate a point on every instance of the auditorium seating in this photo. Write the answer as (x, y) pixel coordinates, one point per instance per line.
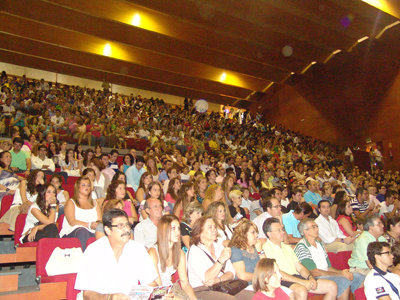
(19, 227)
(43, 252)
(6, 204)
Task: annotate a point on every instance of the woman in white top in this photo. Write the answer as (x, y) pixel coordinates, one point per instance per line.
(42, 215)
(82, 214)
(24, 196)
(70, 165)
(209, 262)
(101, 182)
(218, 212)
(168, 256)
(62, 195)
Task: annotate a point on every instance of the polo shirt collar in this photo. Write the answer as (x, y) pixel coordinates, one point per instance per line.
(380, 272)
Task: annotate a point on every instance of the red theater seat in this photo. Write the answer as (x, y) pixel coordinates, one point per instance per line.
(6, 204)
(340, 260)
(19, 227)
(43, 252)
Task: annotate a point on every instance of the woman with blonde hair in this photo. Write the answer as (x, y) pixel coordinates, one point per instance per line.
(246, 249)
(218, 212)
(213, 193)
(168, 256)
(82, 213)
(200, 187)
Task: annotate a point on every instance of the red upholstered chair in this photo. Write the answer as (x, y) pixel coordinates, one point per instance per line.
(120, 160)
(359, 294)
(19, 227)
(60, 222)
(72, 179)
(130, 190)
(90, 241)
(69, 188)
(43, 252)
(6, 204)
(340, 260)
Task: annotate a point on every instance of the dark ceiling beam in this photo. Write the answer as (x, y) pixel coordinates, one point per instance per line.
(73, 40)
(192, 33)
(56, 53)
(81, 22)
(99, 75)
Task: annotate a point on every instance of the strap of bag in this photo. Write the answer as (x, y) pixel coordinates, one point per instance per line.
(213, 261)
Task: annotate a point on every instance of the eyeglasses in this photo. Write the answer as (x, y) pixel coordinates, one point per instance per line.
(121, 225)
(386, 252)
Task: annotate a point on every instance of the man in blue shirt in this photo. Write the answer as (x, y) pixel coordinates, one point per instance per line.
(135, 172)
(311, 196)
(292, 219)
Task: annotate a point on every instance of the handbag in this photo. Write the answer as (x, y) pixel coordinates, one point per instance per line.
(231, 287)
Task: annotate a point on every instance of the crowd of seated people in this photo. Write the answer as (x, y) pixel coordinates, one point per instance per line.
(209, 199)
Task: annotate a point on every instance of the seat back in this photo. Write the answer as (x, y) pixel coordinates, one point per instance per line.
(72, 180)
(340, 260)
(130, 190)
(359, 294)
(60, 222)
(45, 249)
(6, 204)
(19, 227)
(70, 189)
(90, 241)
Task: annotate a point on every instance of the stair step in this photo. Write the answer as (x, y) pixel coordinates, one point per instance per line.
(48, 291)
(4, 230)
(9, 281)
(22, 254)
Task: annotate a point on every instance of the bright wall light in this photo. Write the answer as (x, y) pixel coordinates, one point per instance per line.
(107, 50)
(388, 6)
(136, 20)
(222, 77)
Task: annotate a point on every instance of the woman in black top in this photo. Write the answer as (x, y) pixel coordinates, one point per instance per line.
(235, 210)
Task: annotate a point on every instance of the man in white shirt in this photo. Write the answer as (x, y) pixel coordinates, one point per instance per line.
(113, 265)
(41, 161)
(380, 283)
(329, 231)
(389, 207)
(272, 208)
(146, 231)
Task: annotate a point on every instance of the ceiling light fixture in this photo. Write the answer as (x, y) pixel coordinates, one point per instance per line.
(136, 20)
(222, 77)
(107, 50)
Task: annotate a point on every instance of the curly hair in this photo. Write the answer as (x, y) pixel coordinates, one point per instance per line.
(239, 238)
(31, 181)
(112, 188)
(210, 192)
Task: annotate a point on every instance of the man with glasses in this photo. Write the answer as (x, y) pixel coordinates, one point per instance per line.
(373, 231)
(294, 274)
(272, 208)
(113, 265)
(42, 162)
(312, 254)
(380, 283)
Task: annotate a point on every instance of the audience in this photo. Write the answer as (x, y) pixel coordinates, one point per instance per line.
(146, 231)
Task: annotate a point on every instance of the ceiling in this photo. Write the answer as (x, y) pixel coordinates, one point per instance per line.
(225, 51)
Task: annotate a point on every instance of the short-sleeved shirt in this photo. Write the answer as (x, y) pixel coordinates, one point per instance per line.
(359, 255)
(283, 255)
(279, 294)
(18, 160)
(312, 257)
(102, 273)
(250, 259)
(376, 285)
(290, 223)
(311, 197)
(259, 222)
(357, 206)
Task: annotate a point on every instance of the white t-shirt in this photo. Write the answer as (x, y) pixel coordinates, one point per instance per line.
(329, 231)
(375, 285)
(259, 221)
(102, 273)
(385, 209)
(198, 263)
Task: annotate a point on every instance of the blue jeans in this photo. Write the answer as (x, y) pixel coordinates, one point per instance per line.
(343, 283)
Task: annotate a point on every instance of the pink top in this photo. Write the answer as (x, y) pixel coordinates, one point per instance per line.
(127, 207)
(279, 294)
(353, 226)
(169, 198)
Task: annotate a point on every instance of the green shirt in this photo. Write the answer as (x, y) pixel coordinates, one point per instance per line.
(18, 160)
(359, 255)
(283, 255)
(304, 254)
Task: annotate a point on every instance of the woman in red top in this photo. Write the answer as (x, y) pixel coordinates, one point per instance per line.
(344, 219)
(267, 281)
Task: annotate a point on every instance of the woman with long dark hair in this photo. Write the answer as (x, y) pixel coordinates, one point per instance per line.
(168, 256)
(42, 215)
